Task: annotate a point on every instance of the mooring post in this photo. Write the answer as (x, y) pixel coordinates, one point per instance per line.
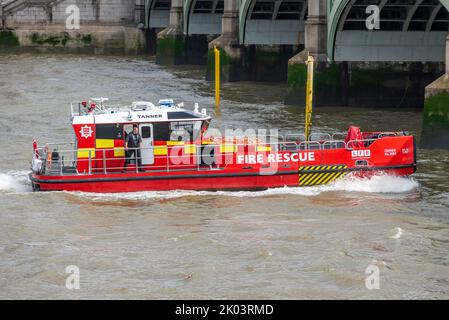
(217, 77)
(309, 97)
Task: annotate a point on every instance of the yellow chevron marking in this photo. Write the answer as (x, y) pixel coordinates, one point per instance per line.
(304, 178)
(324, 177)
(316, 177)
(330, 178)
(311, 179)
(340, 175)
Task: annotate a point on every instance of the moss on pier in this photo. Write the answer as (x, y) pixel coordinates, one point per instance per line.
(170, 46)
(60, 40)
(267, 57)
(436, 109)
(327, 84)
(297, 75)
(53, 40)
(87, 39)
(361, 79)
(8, 39)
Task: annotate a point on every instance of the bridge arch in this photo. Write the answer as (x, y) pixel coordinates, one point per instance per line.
(157, 13)
(272, 22)
(408, 28)
(203, 16)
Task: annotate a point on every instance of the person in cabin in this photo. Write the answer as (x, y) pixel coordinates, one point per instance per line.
(133, 142)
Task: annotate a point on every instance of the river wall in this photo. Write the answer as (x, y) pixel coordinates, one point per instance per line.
(110, 26)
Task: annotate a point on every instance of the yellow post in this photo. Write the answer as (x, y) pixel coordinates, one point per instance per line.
(309, 97)
(217, 77)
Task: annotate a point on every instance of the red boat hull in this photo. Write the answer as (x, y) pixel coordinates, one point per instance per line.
(389, 155)
(190, 181)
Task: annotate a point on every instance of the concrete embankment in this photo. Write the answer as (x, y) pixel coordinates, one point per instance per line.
(88, 39)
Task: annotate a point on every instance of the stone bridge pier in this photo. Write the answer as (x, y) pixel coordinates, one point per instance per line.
(435, 131)
(387, 64)
(180, 30)
(256, 38)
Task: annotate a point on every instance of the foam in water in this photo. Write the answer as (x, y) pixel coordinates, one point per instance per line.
(15, 181)
(376, 184)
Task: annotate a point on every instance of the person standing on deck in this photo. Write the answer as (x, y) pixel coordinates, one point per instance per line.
(132, 147)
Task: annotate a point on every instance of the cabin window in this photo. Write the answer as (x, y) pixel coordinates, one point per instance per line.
(128, 128)
(180, 115)
(146, 132)
(181, 131)
(109, 131)
(197, 129)
(161, 131)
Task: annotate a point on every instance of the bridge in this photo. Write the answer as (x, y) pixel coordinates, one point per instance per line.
(400, 60)
(410, 30)
(388, 61)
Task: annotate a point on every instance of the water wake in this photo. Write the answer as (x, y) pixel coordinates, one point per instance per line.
(14, 182)
(17, 182)
(377, 184)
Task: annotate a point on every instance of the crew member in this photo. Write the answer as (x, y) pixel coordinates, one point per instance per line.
(133, 142)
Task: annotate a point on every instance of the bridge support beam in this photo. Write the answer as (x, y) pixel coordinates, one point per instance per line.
(435, 131)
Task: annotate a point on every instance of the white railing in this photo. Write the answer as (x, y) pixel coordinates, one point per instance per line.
(66, 162)
(62, 158)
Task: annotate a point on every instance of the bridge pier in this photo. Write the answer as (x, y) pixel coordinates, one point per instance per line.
(232, 54)
(170, 43)
(247, 62)
(330, 78)
(390, 84)
(435, 130)
(174, 46)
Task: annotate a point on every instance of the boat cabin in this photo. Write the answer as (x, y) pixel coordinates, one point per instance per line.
(100, 133)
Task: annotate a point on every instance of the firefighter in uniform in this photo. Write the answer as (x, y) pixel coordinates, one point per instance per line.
(132, 148)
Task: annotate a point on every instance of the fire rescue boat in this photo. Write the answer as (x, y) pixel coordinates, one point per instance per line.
(177, 152)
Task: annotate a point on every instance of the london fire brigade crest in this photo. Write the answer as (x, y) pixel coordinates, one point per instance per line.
(86, 132)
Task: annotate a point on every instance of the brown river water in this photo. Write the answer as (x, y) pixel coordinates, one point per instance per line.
(289, 243)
